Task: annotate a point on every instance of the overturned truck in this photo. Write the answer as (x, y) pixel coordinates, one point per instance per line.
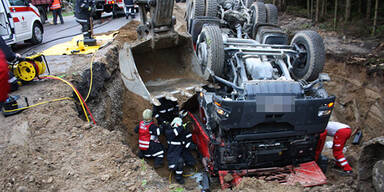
(266, 107)
(260, 104)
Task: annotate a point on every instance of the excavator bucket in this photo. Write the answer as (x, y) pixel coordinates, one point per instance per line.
(163, 66)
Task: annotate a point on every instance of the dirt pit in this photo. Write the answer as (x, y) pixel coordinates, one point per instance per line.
(51, 148)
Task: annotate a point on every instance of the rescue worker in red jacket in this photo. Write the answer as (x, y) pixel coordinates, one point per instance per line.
(56, 11)
(340, 133)
(149, 143)
(6, 54)
(179, 141)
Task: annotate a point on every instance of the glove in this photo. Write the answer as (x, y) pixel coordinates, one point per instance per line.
(19, 58)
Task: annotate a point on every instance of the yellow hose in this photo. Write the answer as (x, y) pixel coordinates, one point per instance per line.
(74, 89)
(90, 83)
(35, 105)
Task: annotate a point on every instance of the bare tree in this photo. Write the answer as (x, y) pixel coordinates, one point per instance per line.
(312, 9)
(375, 18)
(335, 18)
(317, 11)
(309, 8)
(369, 5)
(323, 7)
(347, 10)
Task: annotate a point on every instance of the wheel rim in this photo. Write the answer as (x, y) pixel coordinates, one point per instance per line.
(38, 34)
(302, 57)
(202, 55)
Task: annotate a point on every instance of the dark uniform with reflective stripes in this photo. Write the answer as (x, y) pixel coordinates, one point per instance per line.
(167, 111)
(155, 147)
(83, 13)
(129, 8)
(179, 140)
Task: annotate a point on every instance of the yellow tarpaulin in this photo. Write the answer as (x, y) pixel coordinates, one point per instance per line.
(76, 45)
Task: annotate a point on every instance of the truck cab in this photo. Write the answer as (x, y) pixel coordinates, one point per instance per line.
(20, 21)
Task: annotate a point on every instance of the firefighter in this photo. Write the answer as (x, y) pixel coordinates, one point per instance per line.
(6, 54)
(167, 111)
(149, 143)
(340, 133)
(129, 9)
(83, 12)
(179, 141)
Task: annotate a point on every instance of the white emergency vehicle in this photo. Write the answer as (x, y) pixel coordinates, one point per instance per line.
(20, 21)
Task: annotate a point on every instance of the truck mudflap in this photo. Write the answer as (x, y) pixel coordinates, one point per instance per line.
(307, 174)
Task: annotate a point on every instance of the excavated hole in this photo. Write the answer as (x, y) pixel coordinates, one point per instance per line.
(359, 102)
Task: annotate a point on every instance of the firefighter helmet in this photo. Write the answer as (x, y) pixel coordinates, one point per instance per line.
(177, 122)
(147, 115)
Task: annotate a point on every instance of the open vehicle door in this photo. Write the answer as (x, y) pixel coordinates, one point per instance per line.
(6, 24)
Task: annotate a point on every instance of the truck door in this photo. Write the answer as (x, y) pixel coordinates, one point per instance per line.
(5, 23)
(22, 17)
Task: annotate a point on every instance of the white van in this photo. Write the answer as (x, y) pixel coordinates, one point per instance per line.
(20, 21)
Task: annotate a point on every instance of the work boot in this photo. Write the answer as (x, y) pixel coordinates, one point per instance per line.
(179, 179)
(140, 154)
(10, 106)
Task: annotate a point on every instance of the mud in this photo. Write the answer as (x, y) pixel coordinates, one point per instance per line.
(51, 148)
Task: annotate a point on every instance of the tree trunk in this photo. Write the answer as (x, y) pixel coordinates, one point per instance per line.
(369, 5)
(347, 10)
(335, 18)
(274, 2)
(309, 8)
(375, 18)
(360, 5)
(323, 5)
(317, 11)
(312, 9)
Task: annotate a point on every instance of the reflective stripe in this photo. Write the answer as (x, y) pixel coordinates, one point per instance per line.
(144, 142)
(81, 20)
(174, 143)
(158, 131)
(342, 159)
(153, 137)
(163, 111)
(188, 144)
(158, 153)
(147, 155)
(342, 164)
(172, 166)
(157, 115)
(12, 80)
(82, 5)
(143, 146)
(161, 156)
(337, 145)
(189, 135)
(179, 172)
(170, 109)
(175, 131)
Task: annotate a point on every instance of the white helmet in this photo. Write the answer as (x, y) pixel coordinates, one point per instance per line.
(177, 121)
(147, 115)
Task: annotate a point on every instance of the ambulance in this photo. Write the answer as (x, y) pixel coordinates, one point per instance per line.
(19, 22)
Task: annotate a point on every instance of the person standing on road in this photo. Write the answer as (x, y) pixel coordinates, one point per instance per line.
(83, 12)
(340, 133)
(149, 143)
(56, 11)
(129, 9)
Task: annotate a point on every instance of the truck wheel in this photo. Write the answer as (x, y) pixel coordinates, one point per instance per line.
(248, 3)
(211, 8)
(97, 15)
(195, 9)
(310, 61)
(258, 15)
(272, 14)
(37, 34)
(210, 51)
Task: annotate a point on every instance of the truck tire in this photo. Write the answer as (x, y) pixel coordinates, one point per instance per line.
(37, 34)
(272, 14)
(210, 51)
(195, 9)
(248, 3)
(211, 8)
(311, 63)
(97, 15)
(259, 13)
